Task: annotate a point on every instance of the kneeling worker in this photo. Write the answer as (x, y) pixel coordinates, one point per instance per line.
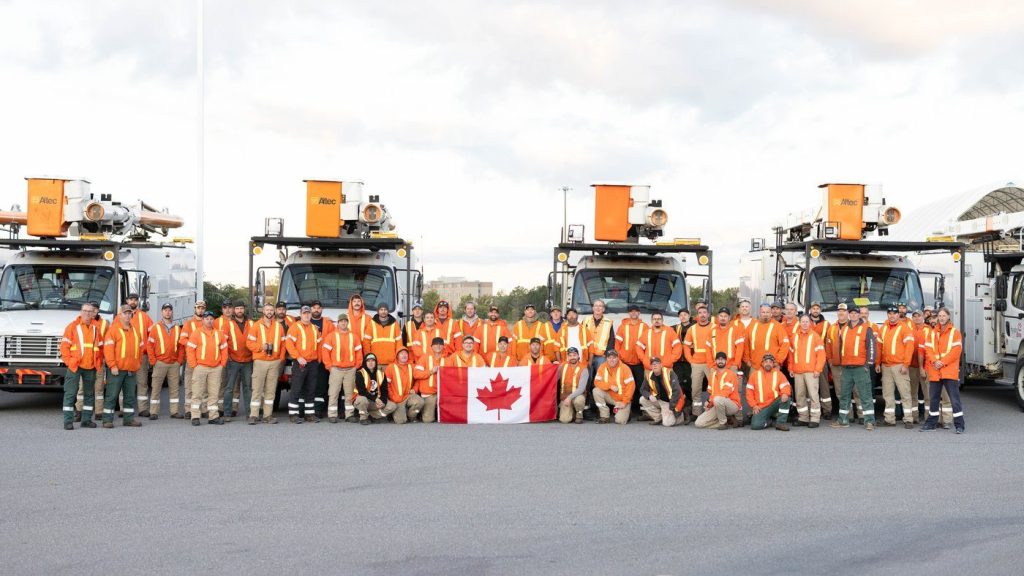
(659, 395)
(768, 395)
(572, 387)
(371, 391)
(614, 385)
(403, 403)
(719, 412)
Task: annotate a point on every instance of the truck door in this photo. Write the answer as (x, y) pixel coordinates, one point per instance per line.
(1013, 317)
(135, 281)
(937, 282)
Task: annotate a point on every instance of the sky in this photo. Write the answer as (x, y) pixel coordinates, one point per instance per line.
(467, 118)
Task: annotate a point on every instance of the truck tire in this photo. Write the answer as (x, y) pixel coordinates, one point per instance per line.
(1018, 382)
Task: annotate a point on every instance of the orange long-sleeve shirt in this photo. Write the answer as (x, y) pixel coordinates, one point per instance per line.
(723, 383)
(896, 345)
(627, 335)
(162, 344)
(207, 347)
(122, 348)
(523, 332)
(660, 343)
(303, 341)
(617, 382)
(765, 337)
(806, 353)
(946, 346)
(425, 381)
(81, 346)
(764, 387)
(729, 339)
(695, 343)
(260, 334)
(341, 350)
(487, 333)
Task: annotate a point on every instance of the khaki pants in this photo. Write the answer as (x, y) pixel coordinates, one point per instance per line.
(823, 389)
(566, 414)
(408, 408)
(807, 391)
(341, 380)
(894, 379)
(659, 411)
(265, 374)
(142, 386)
(367, 408)
(100, 385)
(205, 386)
(188, 389)
(718, 414)
(603, 400)
(698, 374)
(430, 408)
(171, 373)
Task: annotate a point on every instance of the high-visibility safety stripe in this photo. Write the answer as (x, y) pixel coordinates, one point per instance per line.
(277, 336)
(573, 378)
(767, 335)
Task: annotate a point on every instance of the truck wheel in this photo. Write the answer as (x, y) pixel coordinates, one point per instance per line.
(1018, 382)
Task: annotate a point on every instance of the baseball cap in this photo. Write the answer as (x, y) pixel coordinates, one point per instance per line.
(417, 306)
(528, 306)
(167, 305)
(743, 299)
(611, 353)
(536, 340)
(815, 303)
(133, 295)
(841, 306)
(768, 356)
(124, 308)
(305, 309)
(721, 355)
(437, 342)
(503, 339)
(280, 305)
(567, 310)
(239, 303)
(655, 360)
(316, 303)
(572, 350)
(342, 316)
(209, 314)
(892, 309)
(553, 308)
(724, 310)
(200, 303)
(633, 308)
(777, 304)
(443, 304)
(493, 307)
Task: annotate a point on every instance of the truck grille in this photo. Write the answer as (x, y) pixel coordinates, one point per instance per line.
(31, 347)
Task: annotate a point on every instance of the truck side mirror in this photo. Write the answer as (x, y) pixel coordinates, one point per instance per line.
(548, 303)
(939, 290)
(145, 289)
(1000, 304)
(1001, 286)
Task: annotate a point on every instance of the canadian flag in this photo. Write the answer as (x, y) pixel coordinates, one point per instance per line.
(497, 395)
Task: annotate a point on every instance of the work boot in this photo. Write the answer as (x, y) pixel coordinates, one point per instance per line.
(69, 426)
(218, 421)
(826, 414)
(144, 414)
(800, 423)
(869, 426)
(887, 423)
(364, 421)
(253, 420)
(269, 420)
(813, 425)
(579, 418)
(133, 423)
(333, 419)
(78, 416)
(602, 420)
(88, 424)
(234, 414)
(312, 418)
(195, 421)
(177, 416)
(654, 423)
(643, 417)
(839, 423)
(960, 430)
(945, 426)
(352, 419)
(782, 426)
(860, 420)
(98, 416)
(154, 416)
(294, 419)
(108, 424)
(908, 425)
(928, 428)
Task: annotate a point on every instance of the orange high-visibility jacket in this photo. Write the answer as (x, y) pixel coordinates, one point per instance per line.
(806, 353)
(303, 342)
(765, 337)
(207, 347)
(467, 329)
(617, 382)
(238, 350)
(382, 341)
(832, 334)
(358, 322)
(922, 334)
(341, 350)
(487, 334)
(141, 322)
(600, 334)
(327, 329)
(660, 343)
(450, 331)
(946, 346)
(723, 383)
(764, 387)
(81, 346)
(855, 345)
(260, 334)
(462, 360)
(425, 382)
(897, 345)
(420, 343)
(122, 348)
(729, 339)
(499, 360)
(568, 379)
(695, 343)
(162, 344)
(400, 381)
(585, 339)
(529, 360)
(522, 333)
(187, 328)
(627, 335)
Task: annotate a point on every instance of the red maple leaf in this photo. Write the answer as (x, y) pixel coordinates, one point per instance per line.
(500, 396)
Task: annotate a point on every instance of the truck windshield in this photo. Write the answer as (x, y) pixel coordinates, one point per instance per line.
(651, 290)
(881, 287)
(56, 287)
(334, 284)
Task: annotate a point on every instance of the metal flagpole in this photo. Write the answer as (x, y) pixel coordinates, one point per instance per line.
(200, 136)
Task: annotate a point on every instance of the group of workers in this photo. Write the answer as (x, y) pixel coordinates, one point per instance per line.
(365, 367)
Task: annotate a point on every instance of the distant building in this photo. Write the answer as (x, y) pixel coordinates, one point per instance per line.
(453, 289)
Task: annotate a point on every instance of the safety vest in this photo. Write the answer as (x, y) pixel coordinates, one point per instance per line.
(698, 343)
(663, 347)
(489, 334)
(631, 333)
(805, 349)
(460, 362)
(431, 380)
(141, 322)
(236, 337)
(766, 328)
(305, 339)
(666, 385)
(892, 342)
(372, 384)
(336, 348)
(276, 335)
(166, 341)
(720, 381)
(853, 350)
(600, 333)
(730, 346)
(616, 380)
(764, 393)
(506, 362)
(400, 381)
(569, 377)
(539, 361)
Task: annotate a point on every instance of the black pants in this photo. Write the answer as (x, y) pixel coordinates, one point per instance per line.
(303, 385)
(935, 393)
(637, 370)
(322, 378)
(683, 372)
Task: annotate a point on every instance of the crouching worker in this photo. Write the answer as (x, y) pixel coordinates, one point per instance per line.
(371, 390)
(723, 397)
(768, 395)
(572, 388)
(659, 394)
(613, 385)
(403, 404)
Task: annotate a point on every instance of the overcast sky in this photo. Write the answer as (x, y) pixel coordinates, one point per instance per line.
(467, 117)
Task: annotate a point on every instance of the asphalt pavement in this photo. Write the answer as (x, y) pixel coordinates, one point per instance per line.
(168, 498)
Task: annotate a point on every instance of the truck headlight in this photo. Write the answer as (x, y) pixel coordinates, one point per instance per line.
(657, 217)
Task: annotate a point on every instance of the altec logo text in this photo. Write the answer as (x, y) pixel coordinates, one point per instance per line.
(46, 200)
(325, 201)
(845, 202)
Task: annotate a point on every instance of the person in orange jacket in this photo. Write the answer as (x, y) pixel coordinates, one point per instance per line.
(281, 313)
(489, 331)
(358, 320)
(80, 351)
(142, 323)
(535, 357)
(897, 349)
(765, 337)
(167, 356)
(470, 320)
(101, 375)
(919, 385)
(614, 384)
(723, 404)
(238, 374)
(530, 326)
(806, 363)
(303, 345)
(383, 338)
(659, 341)
(326, 326)
(412, 327)
(768, 395)
(574, 334)
(426, 376)
(727, 337)
(450, 327)
(630, 332)
(466, 358)
(207, 355)
(501, 358)
(122, 350)
(188, 327)
(695, 351)
(421, 341)
(341, 355)
(266, 341)
(403, 404)
(943, 352)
